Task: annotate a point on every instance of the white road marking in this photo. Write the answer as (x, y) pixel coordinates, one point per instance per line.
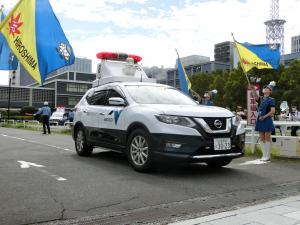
(53, 146)
(36, 142)
(58, 178)
(254, 162)
(26, 165)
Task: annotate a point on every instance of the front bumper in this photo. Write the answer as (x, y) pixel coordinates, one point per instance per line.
(196, 148)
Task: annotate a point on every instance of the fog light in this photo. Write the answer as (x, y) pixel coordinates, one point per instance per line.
(173, 145)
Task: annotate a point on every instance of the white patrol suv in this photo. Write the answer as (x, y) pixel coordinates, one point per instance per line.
(149, 121)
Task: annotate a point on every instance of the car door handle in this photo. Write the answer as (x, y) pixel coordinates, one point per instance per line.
(85, 111)
(102, 114)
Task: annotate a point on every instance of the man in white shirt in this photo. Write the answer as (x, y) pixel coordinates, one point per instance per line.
(294, 115)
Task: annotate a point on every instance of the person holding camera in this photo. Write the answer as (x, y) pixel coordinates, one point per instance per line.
(294, 115)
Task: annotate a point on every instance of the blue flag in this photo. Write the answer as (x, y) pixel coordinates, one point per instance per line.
(258, 56)
(185, 83)
(7, 59)
(37, 39)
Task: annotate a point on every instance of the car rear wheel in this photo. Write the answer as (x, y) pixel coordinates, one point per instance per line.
(219, 163)
(82, 148)
(139, 150)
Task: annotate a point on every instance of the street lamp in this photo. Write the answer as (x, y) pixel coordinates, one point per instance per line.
(9, 91)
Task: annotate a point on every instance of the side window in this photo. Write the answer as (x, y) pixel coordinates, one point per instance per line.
(113, 93)
(98, 98)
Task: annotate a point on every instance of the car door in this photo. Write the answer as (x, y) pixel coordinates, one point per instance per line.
(92, 114)
(111, 122)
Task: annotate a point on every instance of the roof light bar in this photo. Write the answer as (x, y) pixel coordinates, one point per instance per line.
(118, 56)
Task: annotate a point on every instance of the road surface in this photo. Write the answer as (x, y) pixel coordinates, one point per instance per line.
(42, 180)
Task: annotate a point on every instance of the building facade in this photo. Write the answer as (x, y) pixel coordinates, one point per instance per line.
(82, 65)
(193, 60)
(288, 58)
(67, 92)
(26, 96)
(69, 87)
(172, 78)
(62, 90)
(295, 41)
(22, 78)
(224, 52)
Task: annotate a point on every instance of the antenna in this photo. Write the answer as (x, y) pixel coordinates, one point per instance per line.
(141, 73)
(275, 27)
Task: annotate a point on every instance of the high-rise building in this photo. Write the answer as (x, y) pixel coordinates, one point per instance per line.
(22, 78)
(155, 72)
(224, 52)
(296, 44)
(81, 65)
(172, 77)
(193, 60)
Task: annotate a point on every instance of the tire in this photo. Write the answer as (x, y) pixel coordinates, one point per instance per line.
(81, 146)
(139, 151)
(219, 163)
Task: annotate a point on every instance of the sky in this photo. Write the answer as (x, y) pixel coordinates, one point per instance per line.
(153, 29)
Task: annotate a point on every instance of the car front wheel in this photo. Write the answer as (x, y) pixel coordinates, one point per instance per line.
(82, 148)
(139, 150)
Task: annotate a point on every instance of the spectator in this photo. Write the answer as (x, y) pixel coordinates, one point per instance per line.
(71, 116)
(294, 115)
(240, 113)
(207, 99)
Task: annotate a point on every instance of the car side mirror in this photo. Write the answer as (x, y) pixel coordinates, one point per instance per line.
(116, 101)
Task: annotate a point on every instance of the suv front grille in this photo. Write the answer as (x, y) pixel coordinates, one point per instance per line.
(212, 120)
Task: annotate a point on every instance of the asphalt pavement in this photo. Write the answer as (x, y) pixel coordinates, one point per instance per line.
(42, 180)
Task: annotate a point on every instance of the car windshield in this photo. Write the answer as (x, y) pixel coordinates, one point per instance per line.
(143, 94)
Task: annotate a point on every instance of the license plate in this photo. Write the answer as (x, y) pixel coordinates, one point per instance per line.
(222, 144)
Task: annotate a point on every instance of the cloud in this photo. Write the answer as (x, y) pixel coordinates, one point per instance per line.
(153, 29)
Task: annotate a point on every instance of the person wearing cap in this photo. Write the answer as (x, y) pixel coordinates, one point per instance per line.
(45, 113)
(264, 123)
(207, 99)
(294, 115)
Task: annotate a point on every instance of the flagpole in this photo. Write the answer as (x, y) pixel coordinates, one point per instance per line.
(240, 58)
(8, 103)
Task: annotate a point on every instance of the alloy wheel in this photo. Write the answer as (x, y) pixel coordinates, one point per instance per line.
(139, 150)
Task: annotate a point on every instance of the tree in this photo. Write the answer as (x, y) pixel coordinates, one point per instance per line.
(235, 89)
(232, 85)
(201, 82)
(219, 82)
(289, 84)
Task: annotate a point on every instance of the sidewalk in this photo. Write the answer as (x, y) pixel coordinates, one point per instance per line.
(280, 212)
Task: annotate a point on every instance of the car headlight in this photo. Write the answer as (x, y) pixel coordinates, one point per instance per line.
(177, 120)
(235, 121)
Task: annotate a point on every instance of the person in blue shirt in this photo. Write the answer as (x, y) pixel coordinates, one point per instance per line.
(264, 123)
(207, 99)
(71, 116)
(45, 113)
